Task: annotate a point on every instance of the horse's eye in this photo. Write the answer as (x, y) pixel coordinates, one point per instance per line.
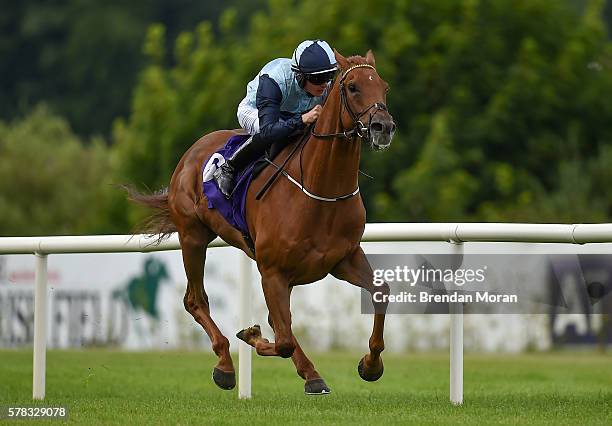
(352, 88)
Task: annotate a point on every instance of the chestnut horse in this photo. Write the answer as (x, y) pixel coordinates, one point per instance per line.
(299, 233)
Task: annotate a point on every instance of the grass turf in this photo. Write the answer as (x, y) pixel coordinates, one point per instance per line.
(109, 387)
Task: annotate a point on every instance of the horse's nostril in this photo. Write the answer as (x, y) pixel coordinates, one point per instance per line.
(377, 127)
(392, 127)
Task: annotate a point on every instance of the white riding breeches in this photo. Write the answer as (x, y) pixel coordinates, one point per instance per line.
(248, 118)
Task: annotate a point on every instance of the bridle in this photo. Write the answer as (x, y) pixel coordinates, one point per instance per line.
(359, 128)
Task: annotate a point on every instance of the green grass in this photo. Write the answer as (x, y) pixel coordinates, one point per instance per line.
(108, 387)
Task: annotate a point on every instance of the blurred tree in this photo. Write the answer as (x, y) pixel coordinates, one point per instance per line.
(82, 57)
(173, 106)
(499, 104)
(50, 184)
(502, 106)
(436, 187)
(519, 81)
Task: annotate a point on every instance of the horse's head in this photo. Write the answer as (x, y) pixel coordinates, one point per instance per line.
(363, 95)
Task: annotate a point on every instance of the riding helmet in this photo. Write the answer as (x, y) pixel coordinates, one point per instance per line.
(313, 57)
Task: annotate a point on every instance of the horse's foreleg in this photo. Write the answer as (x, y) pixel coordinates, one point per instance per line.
(315, 385)
(196, 303)
(276, 293)
(303, 366)
(356, 270)
(253, 337)
(264, 347)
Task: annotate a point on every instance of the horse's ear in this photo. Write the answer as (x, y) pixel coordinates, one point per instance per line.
(342, 61)
(370, 58)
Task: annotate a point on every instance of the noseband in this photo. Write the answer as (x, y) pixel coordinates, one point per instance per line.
(359, 128)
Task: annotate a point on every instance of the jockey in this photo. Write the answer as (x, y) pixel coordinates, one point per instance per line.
(282, 99)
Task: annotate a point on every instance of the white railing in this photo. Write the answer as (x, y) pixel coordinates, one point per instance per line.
(455, 233)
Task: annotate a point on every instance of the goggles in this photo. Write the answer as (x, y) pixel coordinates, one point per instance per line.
(322, 78)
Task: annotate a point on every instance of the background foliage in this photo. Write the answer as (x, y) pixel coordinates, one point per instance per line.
(503, 108)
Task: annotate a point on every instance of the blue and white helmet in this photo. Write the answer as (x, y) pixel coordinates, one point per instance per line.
(313, 57)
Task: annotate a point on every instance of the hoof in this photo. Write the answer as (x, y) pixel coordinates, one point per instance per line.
(370, 377)
(316, 387)
(248, 333)
(224, 380)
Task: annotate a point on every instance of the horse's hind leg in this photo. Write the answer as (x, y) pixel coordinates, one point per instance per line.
(356, 269)
(194, 240)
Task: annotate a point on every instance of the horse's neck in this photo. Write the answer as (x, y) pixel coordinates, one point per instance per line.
(331, 166)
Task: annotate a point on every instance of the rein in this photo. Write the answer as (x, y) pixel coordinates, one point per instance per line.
(284, 172)
(281, 170)
(359, 129)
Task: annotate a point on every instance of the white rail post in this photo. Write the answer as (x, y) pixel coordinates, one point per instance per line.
(456, 342)
(244, 350)
(40, 327)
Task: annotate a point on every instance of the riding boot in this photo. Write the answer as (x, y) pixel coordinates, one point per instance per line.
(252, 149)
(224, 176)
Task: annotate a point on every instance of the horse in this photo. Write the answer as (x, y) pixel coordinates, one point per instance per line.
(300, 231)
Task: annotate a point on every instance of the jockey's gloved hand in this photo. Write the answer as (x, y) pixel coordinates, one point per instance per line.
(312, 115)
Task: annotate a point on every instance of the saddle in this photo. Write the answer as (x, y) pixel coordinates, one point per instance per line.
(234, 209)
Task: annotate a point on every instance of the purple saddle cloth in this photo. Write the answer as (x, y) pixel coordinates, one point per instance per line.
(234, 209)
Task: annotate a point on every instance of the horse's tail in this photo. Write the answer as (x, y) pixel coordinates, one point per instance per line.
(159, 223)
